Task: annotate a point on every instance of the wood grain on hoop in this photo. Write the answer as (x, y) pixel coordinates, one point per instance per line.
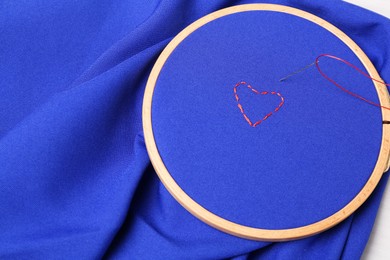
(229, 226)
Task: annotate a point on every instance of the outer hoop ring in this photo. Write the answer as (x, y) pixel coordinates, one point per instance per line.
(228, 226)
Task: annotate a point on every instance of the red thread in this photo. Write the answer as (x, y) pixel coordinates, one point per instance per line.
(256, 92)
(344, 89)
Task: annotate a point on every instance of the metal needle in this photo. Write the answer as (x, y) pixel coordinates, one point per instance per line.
(298, 71)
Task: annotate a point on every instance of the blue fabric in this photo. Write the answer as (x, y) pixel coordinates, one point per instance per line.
(75, 177)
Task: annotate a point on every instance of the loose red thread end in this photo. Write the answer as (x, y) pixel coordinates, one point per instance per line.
(344, 89)
(258, 93)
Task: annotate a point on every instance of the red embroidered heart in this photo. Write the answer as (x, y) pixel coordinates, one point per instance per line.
(258, 122)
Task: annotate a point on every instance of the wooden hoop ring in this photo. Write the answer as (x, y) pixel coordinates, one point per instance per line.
(229, 226)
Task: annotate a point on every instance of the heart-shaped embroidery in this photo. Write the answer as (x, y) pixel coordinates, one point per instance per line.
(258, 122)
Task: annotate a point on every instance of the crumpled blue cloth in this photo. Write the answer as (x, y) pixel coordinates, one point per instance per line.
(75, 178)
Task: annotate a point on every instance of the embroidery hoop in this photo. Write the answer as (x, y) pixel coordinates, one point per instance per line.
(230, 227)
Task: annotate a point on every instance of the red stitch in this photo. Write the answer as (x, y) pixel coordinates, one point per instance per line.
(257, 123)
(256, 92)
(240, 107)
(248, 120)
(266, 116)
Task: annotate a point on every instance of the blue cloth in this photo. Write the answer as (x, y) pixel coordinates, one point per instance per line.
(75, 177)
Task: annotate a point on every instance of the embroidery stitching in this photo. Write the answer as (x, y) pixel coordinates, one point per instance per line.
(258, 93)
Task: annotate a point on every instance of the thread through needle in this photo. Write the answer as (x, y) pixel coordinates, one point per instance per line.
(316, 62)
(298, 71)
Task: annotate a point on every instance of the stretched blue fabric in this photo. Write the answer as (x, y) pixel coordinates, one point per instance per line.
(75, 177)
(292, 169)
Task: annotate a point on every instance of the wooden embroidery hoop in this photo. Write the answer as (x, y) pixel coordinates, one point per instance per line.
(230, 227)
